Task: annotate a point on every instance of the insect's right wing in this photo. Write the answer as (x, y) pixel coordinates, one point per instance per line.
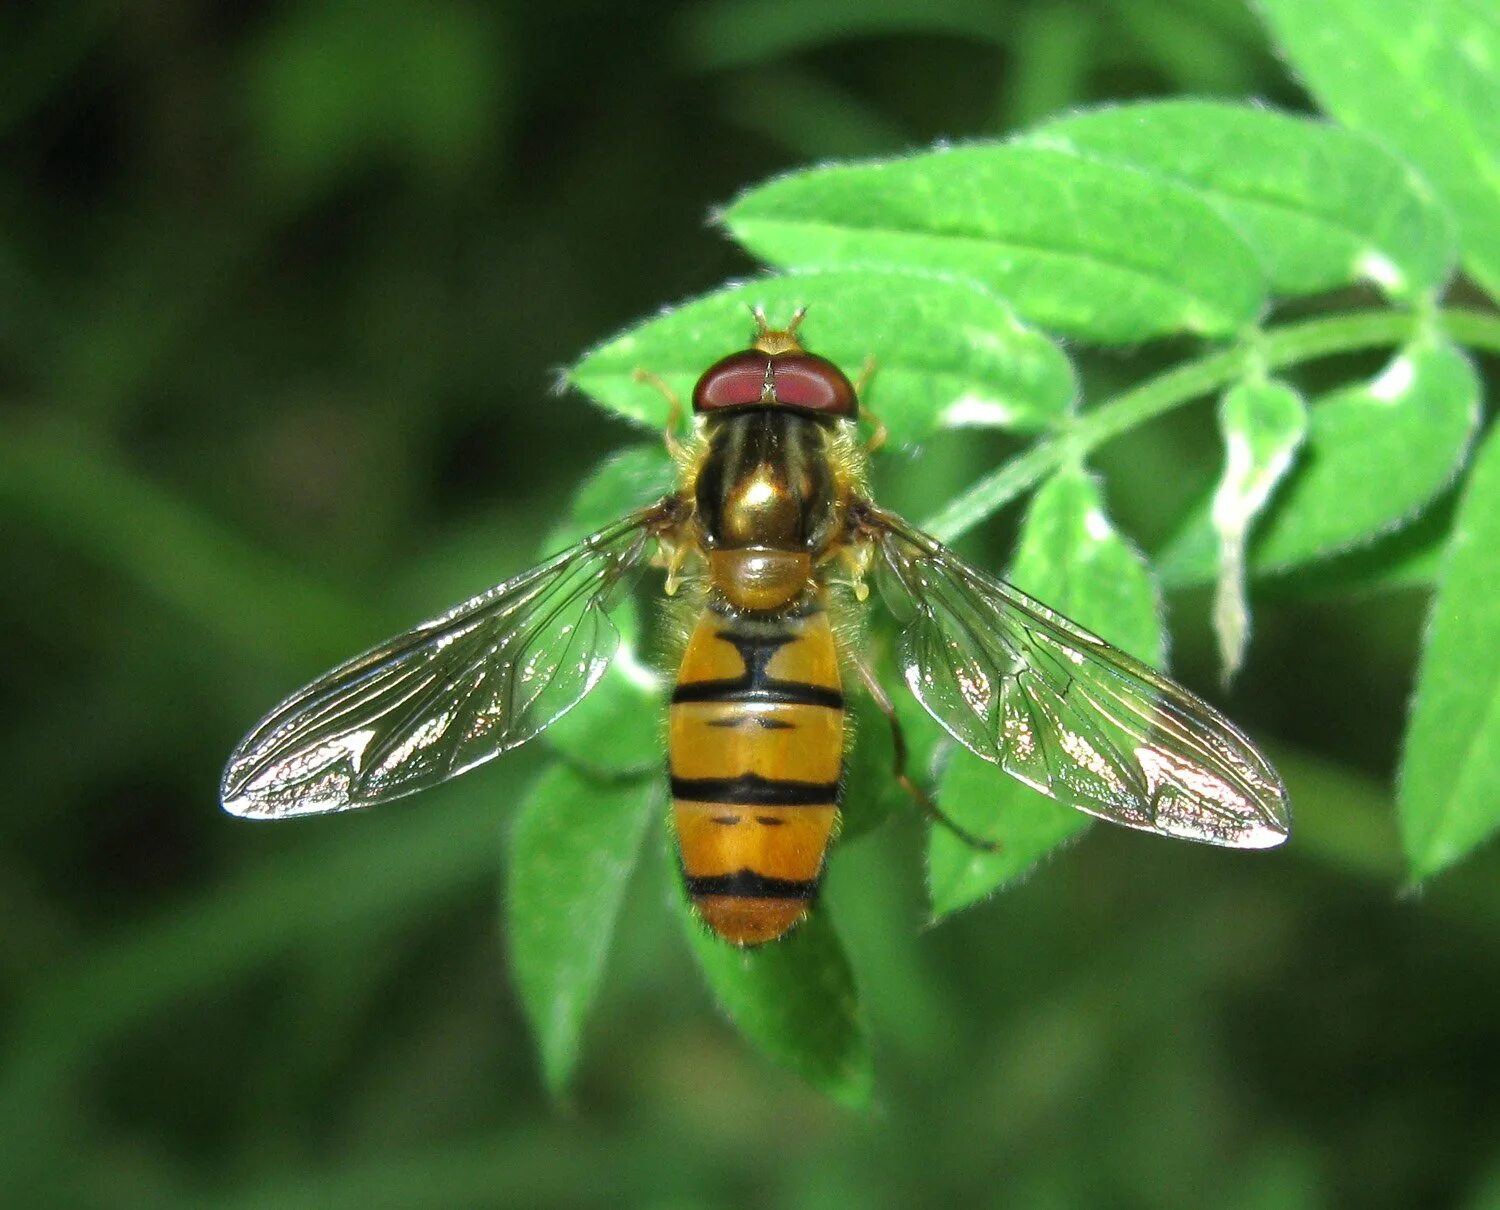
(450, 693)
(1062, 710)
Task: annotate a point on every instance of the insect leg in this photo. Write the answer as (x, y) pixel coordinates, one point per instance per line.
(878, 437)
(898, 741)
(674, 409)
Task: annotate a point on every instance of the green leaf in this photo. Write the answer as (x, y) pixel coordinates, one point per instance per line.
(1027, 824)
(1375, 455)
(947, 352)
(1263, 423)
(619, 726)
(794, 1000)
(1412, 557)
(1323, 207)
(1449, 792)
(1072, 559)
(625, 481)
(1423, 76)
(871, 792)
(1076, 245)
(575, 844)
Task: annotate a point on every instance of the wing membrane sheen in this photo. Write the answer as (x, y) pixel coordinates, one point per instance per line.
(448, 694)
(1062, 710)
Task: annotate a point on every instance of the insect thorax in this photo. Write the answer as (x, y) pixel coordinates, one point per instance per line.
(767, 503)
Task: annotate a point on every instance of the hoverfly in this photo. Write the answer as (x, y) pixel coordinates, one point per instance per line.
(770, 530)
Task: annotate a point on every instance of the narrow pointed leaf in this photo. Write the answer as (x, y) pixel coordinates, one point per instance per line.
(1322, 206)
(1422, 76)
(1449, 795)
(1078, 246)
(794, 1000)
(946, 351)
(619, 727)
(575, 843)
(1073, 559)
(1376, 454)
(1263, 423)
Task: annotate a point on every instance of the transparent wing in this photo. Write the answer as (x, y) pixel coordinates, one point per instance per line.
(448, 694)
(1062, 710)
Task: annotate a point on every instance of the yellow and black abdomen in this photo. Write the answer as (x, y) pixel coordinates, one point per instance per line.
(756, 752)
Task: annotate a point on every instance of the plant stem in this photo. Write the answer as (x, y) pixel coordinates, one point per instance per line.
(1477, 329)
(1287, 345)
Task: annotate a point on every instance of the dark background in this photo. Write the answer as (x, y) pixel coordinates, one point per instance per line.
(284, 290)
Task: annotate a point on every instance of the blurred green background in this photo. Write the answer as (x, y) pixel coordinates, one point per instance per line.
(284, 288)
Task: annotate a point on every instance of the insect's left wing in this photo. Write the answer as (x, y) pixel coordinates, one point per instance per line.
(450, 693)
(1062, 710)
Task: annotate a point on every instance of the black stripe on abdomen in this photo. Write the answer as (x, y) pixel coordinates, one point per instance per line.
(779, 693)
(762, 721)
(755, 684)
(752, 790)
(747, 884)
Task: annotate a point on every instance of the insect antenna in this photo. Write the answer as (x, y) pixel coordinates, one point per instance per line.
(776, 340)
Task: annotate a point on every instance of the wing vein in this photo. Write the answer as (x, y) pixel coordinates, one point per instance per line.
(1062, 710)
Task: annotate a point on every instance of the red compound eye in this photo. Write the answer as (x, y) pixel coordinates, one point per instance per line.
(803, 380)
(735, 381)
(798, 380)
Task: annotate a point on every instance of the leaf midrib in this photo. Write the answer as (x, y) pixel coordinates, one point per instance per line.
(1312, 217)
(1246, 195)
